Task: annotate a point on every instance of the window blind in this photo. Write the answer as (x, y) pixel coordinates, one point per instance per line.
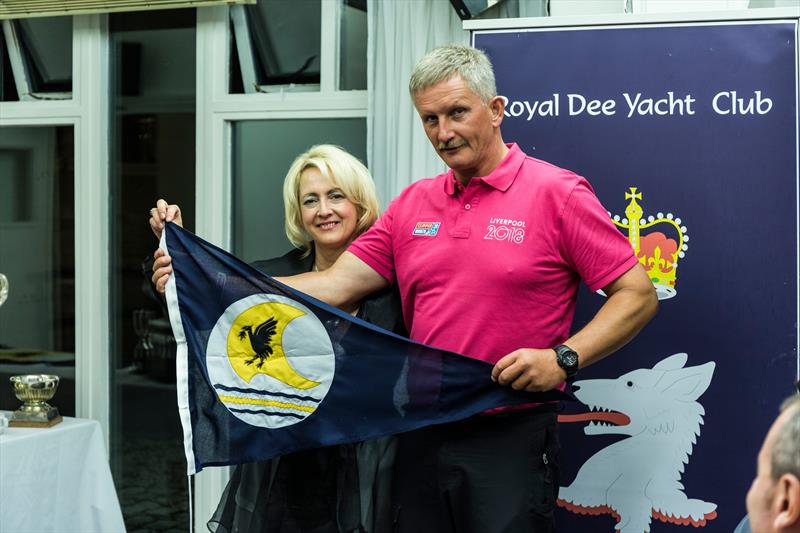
(15, 9)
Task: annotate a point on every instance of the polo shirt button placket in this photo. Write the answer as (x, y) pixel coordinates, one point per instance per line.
(463, 221)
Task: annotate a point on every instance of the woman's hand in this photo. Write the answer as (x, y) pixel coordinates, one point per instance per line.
(163, 213)
(162, 268)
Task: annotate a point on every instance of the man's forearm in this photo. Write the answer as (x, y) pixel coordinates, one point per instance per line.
(343, 285)
(628, 309)
(318, 285)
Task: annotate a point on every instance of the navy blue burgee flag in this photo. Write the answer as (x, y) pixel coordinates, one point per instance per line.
(264, 370)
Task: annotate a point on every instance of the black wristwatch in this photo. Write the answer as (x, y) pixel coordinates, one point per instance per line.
(567, 359)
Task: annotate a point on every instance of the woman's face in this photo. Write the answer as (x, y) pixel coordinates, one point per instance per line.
(329, 218)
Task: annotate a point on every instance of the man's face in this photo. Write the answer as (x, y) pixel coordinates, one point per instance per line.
(461, 127)
(765, 498)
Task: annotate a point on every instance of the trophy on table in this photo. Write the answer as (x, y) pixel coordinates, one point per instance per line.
(34, 390)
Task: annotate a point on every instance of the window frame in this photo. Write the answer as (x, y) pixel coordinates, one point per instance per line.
(217, 109)
(330, 43)
(87, 112)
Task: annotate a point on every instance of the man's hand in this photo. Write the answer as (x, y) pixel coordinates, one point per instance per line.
(530, 370)
(163, 213)
(162, 268)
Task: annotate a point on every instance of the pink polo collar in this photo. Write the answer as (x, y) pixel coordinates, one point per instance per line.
(500, 178)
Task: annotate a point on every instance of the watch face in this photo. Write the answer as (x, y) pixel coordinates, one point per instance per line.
(567, 359)
(570, 359)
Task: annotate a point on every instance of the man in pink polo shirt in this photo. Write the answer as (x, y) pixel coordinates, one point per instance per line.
(488, 257)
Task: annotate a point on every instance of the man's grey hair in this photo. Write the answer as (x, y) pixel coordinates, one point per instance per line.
(444, 62)
(786, 450)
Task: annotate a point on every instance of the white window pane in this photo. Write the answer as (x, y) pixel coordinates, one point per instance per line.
(152, 156)
(47, 52)
(353, 40)
(284, 39)
(37, 321)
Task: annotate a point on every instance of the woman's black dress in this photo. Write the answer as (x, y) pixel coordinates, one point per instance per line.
(336, 489)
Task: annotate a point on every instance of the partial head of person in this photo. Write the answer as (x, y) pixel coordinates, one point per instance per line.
(454, 91)
(773, 502)
(329, 199)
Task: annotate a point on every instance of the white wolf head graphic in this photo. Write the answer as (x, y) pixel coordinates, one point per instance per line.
(638, 478)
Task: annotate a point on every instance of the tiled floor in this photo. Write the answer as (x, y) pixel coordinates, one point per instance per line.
(152, 488)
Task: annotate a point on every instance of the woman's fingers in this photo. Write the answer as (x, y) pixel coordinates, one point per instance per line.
(162, 268)
(162, 213)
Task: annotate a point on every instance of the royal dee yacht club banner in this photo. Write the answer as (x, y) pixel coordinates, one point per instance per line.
(688, 134)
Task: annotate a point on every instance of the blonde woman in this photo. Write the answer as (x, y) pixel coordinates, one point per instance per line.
(329, 200)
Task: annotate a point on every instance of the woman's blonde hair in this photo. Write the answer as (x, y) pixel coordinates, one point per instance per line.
(346, 172)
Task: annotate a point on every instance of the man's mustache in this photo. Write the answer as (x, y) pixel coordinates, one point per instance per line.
(449, 145)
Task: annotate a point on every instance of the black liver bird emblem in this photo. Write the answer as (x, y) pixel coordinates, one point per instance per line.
(260, 341)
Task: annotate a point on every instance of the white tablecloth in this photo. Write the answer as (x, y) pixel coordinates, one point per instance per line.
(57, 479)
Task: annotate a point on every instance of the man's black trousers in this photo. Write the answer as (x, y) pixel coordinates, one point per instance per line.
(487, 474)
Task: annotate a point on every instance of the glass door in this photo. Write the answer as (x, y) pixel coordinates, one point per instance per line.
(152, 156)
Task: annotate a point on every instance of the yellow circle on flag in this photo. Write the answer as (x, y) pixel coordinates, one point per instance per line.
(255, 344)
(270, 360)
